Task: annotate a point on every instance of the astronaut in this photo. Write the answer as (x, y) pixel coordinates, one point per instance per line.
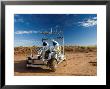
(44, 49)
(54, 49)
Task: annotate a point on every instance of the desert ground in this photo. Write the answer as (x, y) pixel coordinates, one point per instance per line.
(80, 61)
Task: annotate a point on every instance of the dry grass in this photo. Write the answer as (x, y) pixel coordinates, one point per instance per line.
(80, 49)
(27, 50)
(80, 61)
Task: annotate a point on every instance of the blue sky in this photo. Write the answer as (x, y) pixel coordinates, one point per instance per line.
(78, 29)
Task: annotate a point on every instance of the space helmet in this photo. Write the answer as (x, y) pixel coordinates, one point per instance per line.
(45, 43)
(54, 42)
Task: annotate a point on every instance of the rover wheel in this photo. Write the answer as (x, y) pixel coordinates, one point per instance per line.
(53, 65)
(28, 62)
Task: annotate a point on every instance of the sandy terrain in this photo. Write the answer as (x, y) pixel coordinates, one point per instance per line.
(76, 64)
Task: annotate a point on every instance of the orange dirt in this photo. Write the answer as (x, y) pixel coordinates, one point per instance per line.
(76, 64)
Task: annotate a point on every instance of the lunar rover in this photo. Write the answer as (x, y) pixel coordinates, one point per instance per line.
(57, 57)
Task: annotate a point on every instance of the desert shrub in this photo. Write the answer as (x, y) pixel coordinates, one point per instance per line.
(80, 48)
(27, 50)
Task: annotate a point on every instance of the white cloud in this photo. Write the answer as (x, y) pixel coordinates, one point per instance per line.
(34, 31)
(19, 20)
(95, 18)
(89, 22)
(30, 42)
(25, 32)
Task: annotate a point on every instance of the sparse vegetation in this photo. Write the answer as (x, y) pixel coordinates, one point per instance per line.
(80, 61)
(27, 50)
(80, 48)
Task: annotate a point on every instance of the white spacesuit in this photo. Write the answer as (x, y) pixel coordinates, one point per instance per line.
(54, 48)
(44, 49)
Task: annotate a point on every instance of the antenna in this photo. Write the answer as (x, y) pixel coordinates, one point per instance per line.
(51, 30)
(59, 33)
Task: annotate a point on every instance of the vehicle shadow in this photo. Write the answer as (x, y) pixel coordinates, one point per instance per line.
(20, 66)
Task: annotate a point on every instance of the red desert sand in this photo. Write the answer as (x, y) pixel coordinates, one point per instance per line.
(80, 61)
